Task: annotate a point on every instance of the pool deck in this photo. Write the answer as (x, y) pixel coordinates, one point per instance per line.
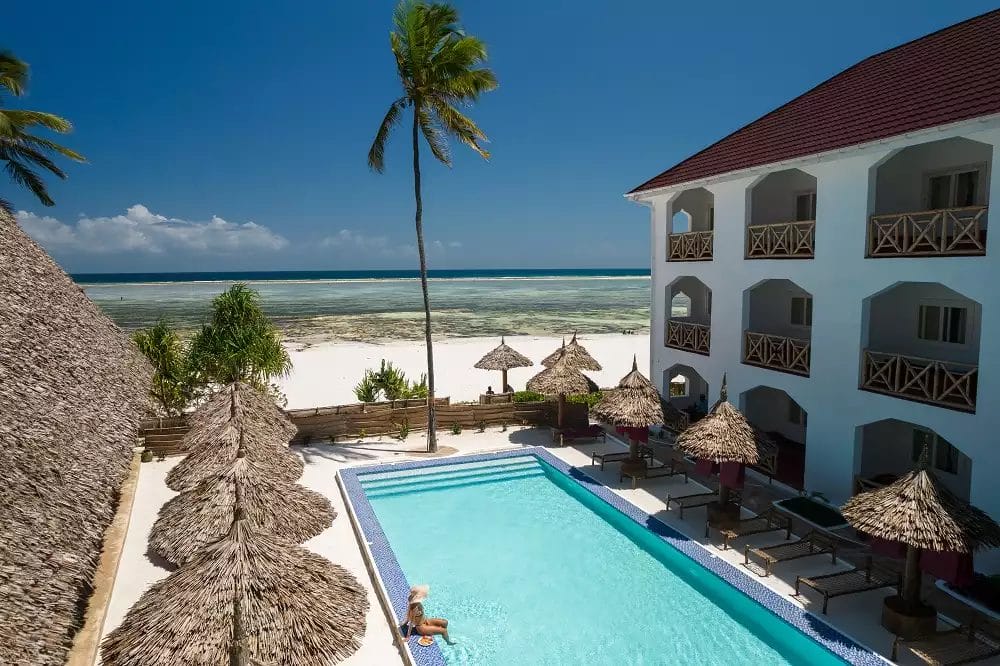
(856, 616)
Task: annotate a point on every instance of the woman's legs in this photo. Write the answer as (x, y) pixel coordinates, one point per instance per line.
(434, 627)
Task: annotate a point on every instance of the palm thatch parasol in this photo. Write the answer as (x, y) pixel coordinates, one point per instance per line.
(559, 380)
(503, 358)
(635, 403)
(918, 511)
(203, 515)
(725, 436)
(248, 598)
(579, 357)
(234, 400)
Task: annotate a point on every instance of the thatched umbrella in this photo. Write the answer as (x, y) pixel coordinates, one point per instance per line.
(919, 512)
(235, 400)
(203, 515)
(724, 436)
(559, 380)
(579, 358)
(503, 358)
(635, 403)
(248, 598)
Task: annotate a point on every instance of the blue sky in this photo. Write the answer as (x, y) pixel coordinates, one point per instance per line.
(233, 135)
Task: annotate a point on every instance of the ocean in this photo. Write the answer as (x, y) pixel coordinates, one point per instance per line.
(319, 306)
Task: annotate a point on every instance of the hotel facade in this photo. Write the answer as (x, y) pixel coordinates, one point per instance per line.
(833, 260)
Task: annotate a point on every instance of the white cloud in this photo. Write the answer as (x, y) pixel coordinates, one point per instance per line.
(357, 241)
(141, 230)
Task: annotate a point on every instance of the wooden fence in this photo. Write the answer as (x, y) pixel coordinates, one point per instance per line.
(165, 436)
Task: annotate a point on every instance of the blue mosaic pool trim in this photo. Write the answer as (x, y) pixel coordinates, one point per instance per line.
(398, 588)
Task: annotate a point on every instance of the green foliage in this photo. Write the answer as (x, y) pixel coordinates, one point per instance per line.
(389, 383)
(367, 389)
(172, 388)
(481, 426)
(456, 429)
(22, 151)
(404, 429)
(503, 427)
(147, 456)
(589, 399)
(240, 343)
(528, 396)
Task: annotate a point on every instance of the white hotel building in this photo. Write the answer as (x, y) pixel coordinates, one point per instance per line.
(832, 258)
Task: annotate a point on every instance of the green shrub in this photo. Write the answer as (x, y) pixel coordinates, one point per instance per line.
(503, 426)
(528, 396)
(589, 399)
(389, 383)
(482, 426)
(367, 389)
(456, 429)
(404, 429)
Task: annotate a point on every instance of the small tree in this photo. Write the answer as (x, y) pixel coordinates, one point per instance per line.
(172, 387)
(389, 383)
(240, 343)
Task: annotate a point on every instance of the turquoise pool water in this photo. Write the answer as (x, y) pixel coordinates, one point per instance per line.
(530, 568)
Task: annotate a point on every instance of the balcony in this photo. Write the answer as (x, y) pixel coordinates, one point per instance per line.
(941, 383)
(690, 246)
(776, 352)
(785, 240)
(690, 337)
(949, 232)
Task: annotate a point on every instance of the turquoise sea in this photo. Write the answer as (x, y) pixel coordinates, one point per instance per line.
(315, 306)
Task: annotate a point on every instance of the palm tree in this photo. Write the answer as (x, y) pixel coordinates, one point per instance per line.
(172, 388)
(20, 150)
(438, 67)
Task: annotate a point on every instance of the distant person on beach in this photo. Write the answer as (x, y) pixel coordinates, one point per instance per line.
(489, 390)
(418, 623)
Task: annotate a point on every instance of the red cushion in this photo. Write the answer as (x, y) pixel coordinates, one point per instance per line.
(954, 568)
(732, 474)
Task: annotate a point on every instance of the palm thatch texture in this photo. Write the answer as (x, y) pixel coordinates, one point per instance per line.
(559, 380)
(635, 403)
(251, 593)
(503, 358)
(200, 516)
(579, 357)
(72, 391)
(725, 436)
(918, 511)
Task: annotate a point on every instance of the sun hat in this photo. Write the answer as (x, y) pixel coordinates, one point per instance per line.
(418, 593)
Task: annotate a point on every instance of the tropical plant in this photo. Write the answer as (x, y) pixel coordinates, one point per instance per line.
(528, 396)
(21, 150)
(438, 67)
(172, 387)
(404, 429)
(589, 399)
(367, 389)
(456, 429)
(389, 383)
(240, 343)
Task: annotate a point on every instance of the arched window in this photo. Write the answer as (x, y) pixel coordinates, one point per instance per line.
(680, 305)
(680, 387)
(681, 222)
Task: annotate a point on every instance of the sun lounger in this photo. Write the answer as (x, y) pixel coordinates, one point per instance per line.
(573, 434)
(769, 521)
(617, 456)
(962, 645)
(813, 543)
(855, 581)
(672, 467)
(700, 499)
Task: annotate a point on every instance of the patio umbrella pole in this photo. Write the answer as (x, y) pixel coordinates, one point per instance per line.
(562, 407)
(503, 382)
(910, 594)
(723, 494)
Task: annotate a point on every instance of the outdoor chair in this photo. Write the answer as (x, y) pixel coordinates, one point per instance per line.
(813, 543)
(672, 467)
(855, 581)
(961, 645)
(591, 432)
(769, 521)
(701, 499)
(617, 456)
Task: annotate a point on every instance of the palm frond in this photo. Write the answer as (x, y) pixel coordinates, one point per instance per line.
(459, 126)
(376, 154)
(13, 73)
(435, 137)
(25, 177)
(22, 152)
(46, 144)
(23, 119)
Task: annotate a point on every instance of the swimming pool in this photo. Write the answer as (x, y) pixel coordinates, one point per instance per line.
(534, 563)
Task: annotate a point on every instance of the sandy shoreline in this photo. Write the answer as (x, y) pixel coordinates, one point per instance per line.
(325, 374)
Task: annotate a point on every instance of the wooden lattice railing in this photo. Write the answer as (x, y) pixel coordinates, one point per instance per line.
(690, 246)
(941, 383)
(776, 352)
(786, 240)
(690, 337)
(942, 233)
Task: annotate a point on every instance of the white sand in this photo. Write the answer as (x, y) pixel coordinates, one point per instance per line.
(326, 374)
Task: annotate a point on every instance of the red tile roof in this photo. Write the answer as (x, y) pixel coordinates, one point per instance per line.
(947, 76)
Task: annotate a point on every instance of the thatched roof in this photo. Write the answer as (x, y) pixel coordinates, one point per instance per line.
(725, 435)
(235, 401)
(560, 378)
(919, 511)
(578, 357)
(72, 390)
(635, 403)
(200, 516)
(293, 607)
(503, 357)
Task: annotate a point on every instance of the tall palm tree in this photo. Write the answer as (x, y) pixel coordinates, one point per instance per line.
(438, 66)
(20, 150)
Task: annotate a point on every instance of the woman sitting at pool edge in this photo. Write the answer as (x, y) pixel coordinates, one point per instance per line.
(417, 622)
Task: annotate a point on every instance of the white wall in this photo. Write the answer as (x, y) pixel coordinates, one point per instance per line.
(773, 198)
(839, 278)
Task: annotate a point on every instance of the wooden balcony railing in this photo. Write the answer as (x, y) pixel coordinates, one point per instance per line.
(690, 246)
(786, 240)
(949, 232)
(776, 352)
(940, 383)
(690, 337)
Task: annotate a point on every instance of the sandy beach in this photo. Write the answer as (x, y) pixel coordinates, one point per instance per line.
(325, 374)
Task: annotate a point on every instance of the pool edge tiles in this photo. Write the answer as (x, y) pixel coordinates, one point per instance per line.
(394, 580)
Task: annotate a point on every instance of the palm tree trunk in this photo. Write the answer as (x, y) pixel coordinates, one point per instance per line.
(431, 420)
